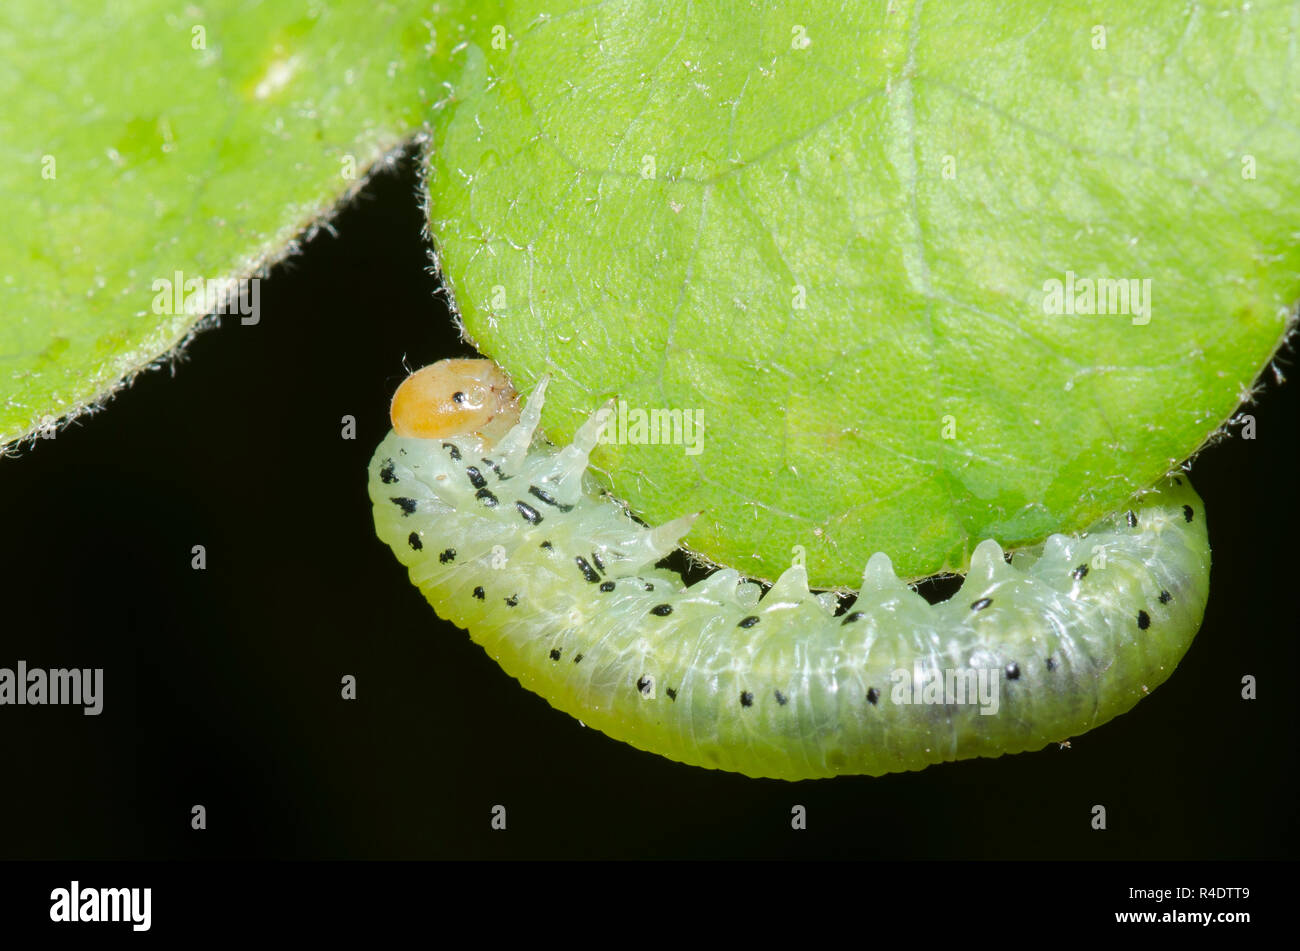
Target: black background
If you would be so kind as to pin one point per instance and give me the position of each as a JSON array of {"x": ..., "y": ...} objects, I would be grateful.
[{"x": 222, "y": 687}]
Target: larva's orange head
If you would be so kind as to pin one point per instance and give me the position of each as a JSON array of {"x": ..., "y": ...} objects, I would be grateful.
[{"x": 455, "y": 398}]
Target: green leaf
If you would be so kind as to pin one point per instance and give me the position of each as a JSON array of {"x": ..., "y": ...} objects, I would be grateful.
[
  {"x": 142, "y": 139},
  {"x": 840, "y": 251}
]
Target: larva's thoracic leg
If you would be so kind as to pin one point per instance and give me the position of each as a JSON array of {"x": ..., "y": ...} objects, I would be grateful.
[{"x": 511, "y": 542}]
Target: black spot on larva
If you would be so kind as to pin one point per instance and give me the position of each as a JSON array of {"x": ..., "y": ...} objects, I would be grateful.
[
  {"x": 748, "y": 622},
  {"x": 850, "y": 618},
  {"x": 452, "y": 450},
  {"x": 486, "y": 497},
  {"x": 555, "y": 654},
  {"x": 595, "y": 559},
  {"x": 479, "y": 593},
  {"x": 607, "y": 587},
  {"x": 529, "y": 513},
  {"x": 458, "y": 397},
  {"x": 746, "y": 698},
  {"x": 475, "y": 477},
  {"x": 672, "y": 693},
  {"x": 780, "y": 697},
  {"x": 447, "y": 555},
  {"x": 645, "y": 685},
  {"x": 1165, "y": 597},
  {"x": 495, "y": 467},
  {"x": 1078, "y": 574},
  {"x": 387, "y": 472},
  {"x": 661, "y": 610},
  {"x": 413, "y": 540},
  {"x": 512, "y": 600},
  {"x": 548, "y": 499},
  {"x": 1188, "y": 512},
  {"x": 1131, "y": 519},
  {"x": 1144, "y": 620},
  {"x": 873, "y": 695},
  {"x": 1051, "y": 664},
  {"x": 649, "y": 586},
  {"x": 1013, "y": 671},
  {"x": 981, "y": 604},
  {"x": 586, "y": 569},
  {"x": 547, "y": 545},
  {"x": 406, "y": 505},
  {"x": 577, "y": 658}
]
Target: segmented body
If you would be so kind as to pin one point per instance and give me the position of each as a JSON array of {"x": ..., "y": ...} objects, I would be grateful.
[{"x": 513, "y": 542}]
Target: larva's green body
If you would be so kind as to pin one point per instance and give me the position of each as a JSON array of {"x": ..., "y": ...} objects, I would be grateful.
[{"x": 514, "y": 544}]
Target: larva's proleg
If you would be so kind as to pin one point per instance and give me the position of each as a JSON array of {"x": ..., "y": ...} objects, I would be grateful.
[{"x": 512, "y": 542}]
